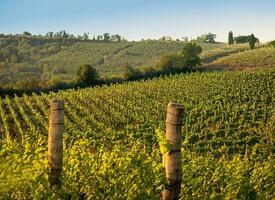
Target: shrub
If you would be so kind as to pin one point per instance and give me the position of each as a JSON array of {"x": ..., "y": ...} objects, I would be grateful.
[
  {"x": 131, "y": 73},
  {"x": 170, "y": 63},
  {"x": 272, "y": 43},
  {"x": 87, "y": 74}
]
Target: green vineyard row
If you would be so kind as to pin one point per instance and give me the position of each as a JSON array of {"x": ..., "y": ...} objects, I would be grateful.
[{"x": 111, "y": 149}]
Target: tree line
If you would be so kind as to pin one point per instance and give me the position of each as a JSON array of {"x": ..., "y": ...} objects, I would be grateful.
[
  {"x": 251, "y": 39},
  {"x": 105, "y": 37}
]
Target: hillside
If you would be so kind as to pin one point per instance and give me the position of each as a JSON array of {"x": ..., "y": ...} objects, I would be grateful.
[
  {"x": 111, "y": 145},
  {"x": 258, "y": 58},
  {"x": 44, "y": 58},
  {"x": 109, "y": 58}
]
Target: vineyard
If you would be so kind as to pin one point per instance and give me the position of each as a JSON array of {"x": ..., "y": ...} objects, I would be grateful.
[
  {"x": 47, "y": 59},
  {"x": 111, "y": 146},
  {"x": 109, "y": 58},
  {"x": 223, "y": 51},
  {"x": 262, "y": 57}
]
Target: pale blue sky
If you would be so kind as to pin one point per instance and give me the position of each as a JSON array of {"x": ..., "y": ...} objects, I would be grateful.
[{"x": 136, "y": 19}]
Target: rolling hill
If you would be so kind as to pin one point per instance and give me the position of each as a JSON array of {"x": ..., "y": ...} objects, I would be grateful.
[
  {"x": 258, "y": 58},
  {"x": 21, "y": 58}
]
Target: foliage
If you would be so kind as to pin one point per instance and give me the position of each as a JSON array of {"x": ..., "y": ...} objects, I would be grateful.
[
  {"x": 206, "y": 38},
  {"x": 164, "y": 146},
  {"x": 131, "y": 73},
  {"x": 244, "y": 39},
  {"x": 170, "y": 63},
  {"x": 252, "y": 41},
  {"x": 272, "y": 43},
  {"x": 191, "y": 52},
  {"x": 87, "y": 74},
  {"x": 230, "y": 38},
  {"x": 110, "y": 144},
  {"x": 180, "y": 62}
]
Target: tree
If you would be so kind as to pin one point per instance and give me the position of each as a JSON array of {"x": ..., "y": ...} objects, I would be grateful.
[
  {"x": 272, "y": 43},
  {"x": 230, "y": 38},
  {"x": 252, "y": 41},
  {"x": 87, "y": 74},
  {"x": 185, "y": 39},
  {"x": 244, "y": 39},
  {"x": 106, "y": 37},
  {"x": 191, "y": 52},
  {"x": 85, "y": 36},
  {"x": 210, "y": 38},
  {"x": 49, "y": 34},
  {"x": 118, "y": 38},
  {"x": 25, "y": 33},
  {"x": 99, "y": 38},
  {"x": 207, "y": 38}
]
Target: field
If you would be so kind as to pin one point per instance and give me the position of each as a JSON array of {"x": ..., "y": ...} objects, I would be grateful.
[
  {"x": 258, "y": 58},
  {"x": 223, "y": 51},
  {"x": 111, "y": 148}
]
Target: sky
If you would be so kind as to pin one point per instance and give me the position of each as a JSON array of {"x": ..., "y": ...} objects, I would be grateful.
[{"x": 137, "y": 19}]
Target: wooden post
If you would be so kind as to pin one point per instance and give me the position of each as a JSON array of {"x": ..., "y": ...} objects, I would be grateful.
[
  {"x": 172, "y": 159},
  {"x": 55, "y": 140}
]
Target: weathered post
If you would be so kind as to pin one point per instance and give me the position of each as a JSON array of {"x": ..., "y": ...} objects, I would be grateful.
[
  {"x": 172, "y": 159},
  {"x": 55, "y": 140}
]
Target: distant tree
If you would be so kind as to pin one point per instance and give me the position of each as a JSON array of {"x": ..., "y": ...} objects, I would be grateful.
[
  {"x": 25, "y": 33},
  {"x": 71, "y": 36},
  {"x": 206, "y": 38},
  {"x": 241, "y": 39},
  {"x": 85, "y": 36},
  {"x": 166, "y": 38},
  {"x": 163, "y": 38},
  {"x": 118, "y": 38},
  {"x": 106, "y": 37},
  {"x": 244, "y": 39},
  {"x": 185, "y": 39},
  {"x": 252, "y": 41},
  {"x": 49, "y": 34},
  {"x": 272, "y": 43},
  {"x": 230, "y": 38},
  {"x": 87, "y": 74},
  {"x": 210, "y": 37},
  {"x": 63, "y": 34},
  {"x": 57, "y": 34},
  {"x": 99, "y": 37},
  {"x": 113, "y": 38}
]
